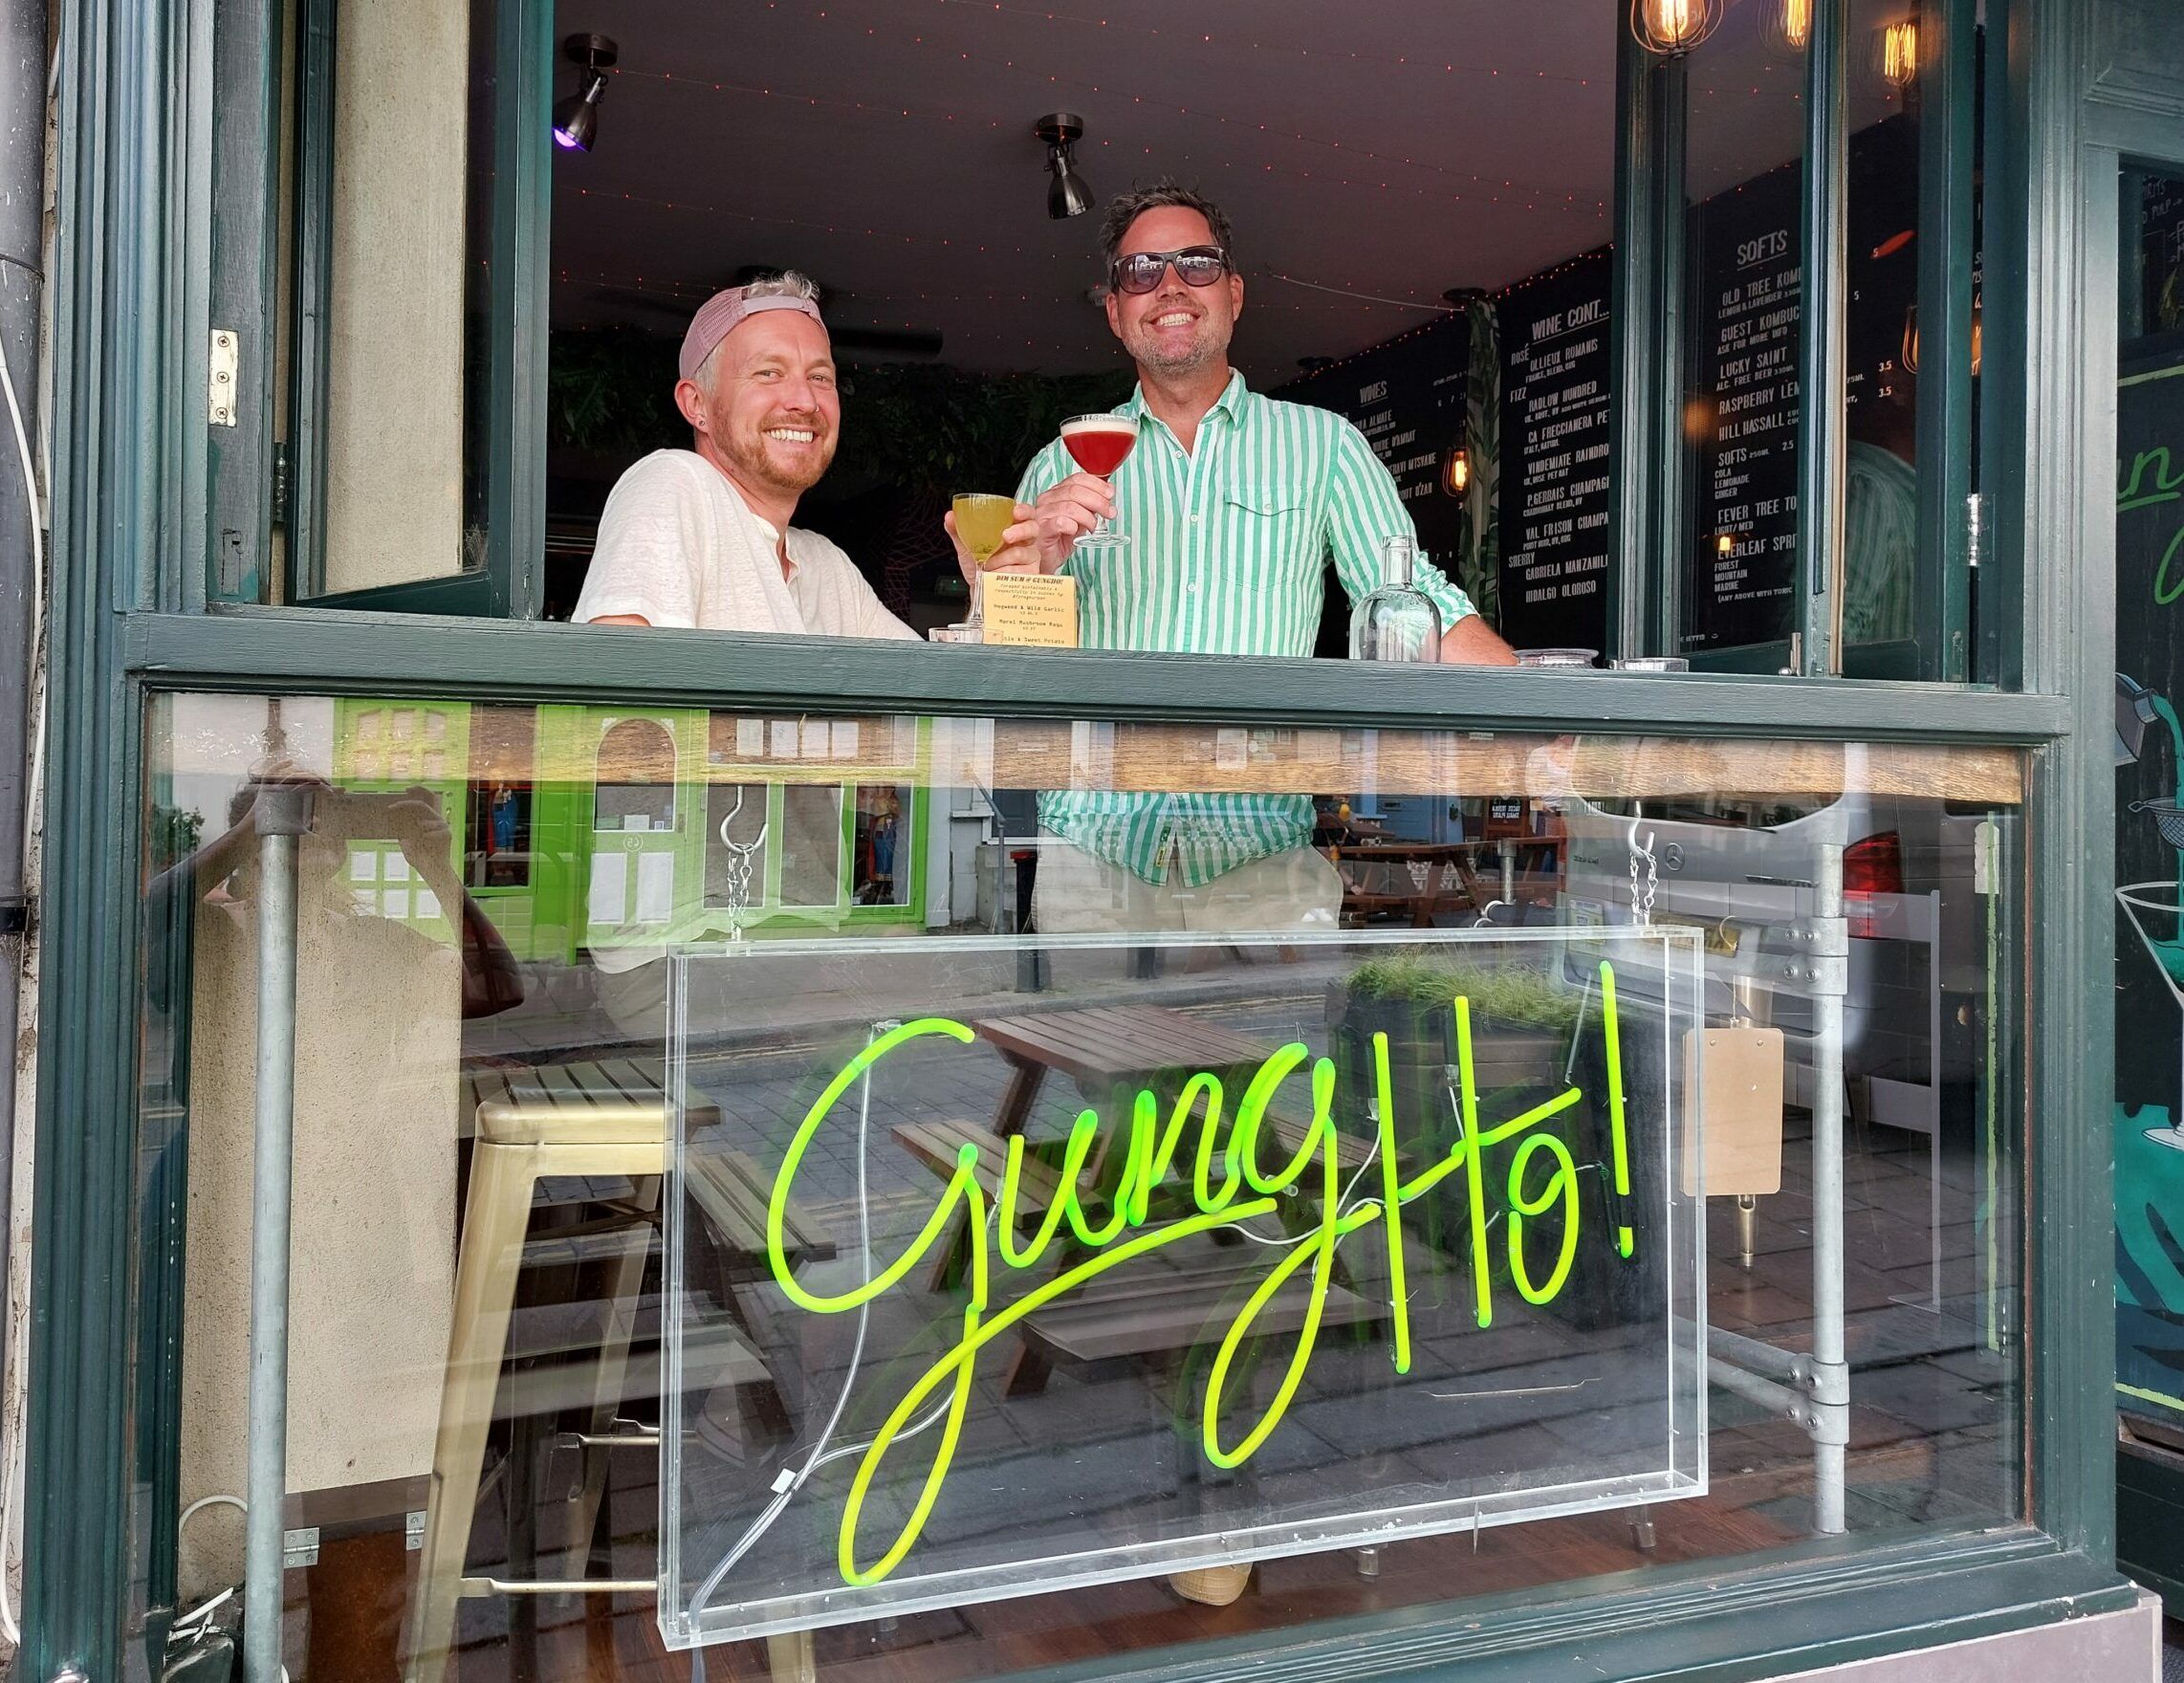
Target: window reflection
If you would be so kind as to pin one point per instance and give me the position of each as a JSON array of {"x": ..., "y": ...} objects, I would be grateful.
[{"x": 534, "y": 1010}]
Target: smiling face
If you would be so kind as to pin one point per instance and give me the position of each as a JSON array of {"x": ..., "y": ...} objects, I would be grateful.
[
  {"x": 1174, "y": 329},
  {"x": 769, "y": 413}
]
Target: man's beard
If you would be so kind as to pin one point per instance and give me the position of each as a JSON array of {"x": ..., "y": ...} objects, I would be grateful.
[
  {"x": 751, "y": 458},
  {"x": 1203, "y": 351}
]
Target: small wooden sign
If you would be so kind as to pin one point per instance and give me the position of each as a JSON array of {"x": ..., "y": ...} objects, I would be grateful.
[
  {"x": 1030, "y": 610},
  {"x": 1739, "y": 1108}
]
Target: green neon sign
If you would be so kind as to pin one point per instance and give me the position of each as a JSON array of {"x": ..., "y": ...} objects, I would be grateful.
[{"x": 1227, "y": 1184}]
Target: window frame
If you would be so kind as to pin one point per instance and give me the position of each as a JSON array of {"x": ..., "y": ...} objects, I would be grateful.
[{"x": 121, "y": 491}]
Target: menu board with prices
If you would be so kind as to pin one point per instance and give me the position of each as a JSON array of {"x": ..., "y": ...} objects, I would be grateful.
[
  {"x": 1408, "y": 395},
  {"x": 1745, "y": 525},
  {"x": 1741, "y": 585},
  {"x": 1555, "y": 394}
]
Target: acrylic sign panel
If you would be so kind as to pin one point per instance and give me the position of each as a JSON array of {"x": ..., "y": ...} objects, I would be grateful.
[{"x": 1002, "y": 1266}]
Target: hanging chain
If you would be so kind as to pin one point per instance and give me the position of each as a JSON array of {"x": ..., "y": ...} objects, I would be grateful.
[
  {"x": 1642, "y": 899},
  {"x": 741, "y": 862}
]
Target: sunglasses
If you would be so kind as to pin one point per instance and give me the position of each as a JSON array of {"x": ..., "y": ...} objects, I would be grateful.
[{"x": 1140, "y": 272}]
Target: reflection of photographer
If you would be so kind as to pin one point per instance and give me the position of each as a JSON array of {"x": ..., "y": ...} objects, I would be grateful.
[{"x": 225, "y": 871}]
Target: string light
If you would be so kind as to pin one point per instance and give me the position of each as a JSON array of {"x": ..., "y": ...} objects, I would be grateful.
[
  {"x": 1252, "y": 125},
  {"x": 1397, "y": 62}
]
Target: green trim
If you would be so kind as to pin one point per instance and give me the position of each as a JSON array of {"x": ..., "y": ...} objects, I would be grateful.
[
  {"x": 2147, "y": 1396},
  {"x": 523, "y": 163},
  {"x": 313, "y": 652},
  {"x": 1947, "y": 78},
  {"x": 111, "y": 292},
  {"x": 1688, "y": 1623},
  {"x": 245, "y": 90},
  {"x": 2066, "y": 475},
  {"x": 312, "y": 293},
  {"x": 1823, "y": 294}
]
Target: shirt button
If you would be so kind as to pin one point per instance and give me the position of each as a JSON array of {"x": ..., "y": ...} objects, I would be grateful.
[{"x": 1192, "y": 588}]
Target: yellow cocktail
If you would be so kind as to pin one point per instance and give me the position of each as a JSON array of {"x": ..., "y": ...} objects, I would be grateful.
[{"x": 980, "y": 522}]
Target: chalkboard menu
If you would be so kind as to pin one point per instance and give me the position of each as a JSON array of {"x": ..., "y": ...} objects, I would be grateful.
[
  {"x": 1744, "y": 571},
  {"x": 1556, "y": 387},
  {"x": 1408, "y": 396},
  {"x": 1740, "y": 582}
]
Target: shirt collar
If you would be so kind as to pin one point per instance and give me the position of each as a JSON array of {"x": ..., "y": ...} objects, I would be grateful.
[{"x": 1230, "y": 402}]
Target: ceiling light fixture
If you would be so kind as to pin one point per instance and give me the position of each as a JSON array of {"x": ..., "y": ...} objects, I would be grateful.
[
  {"x": 1067, "y": 195},
  {"x": 1673, "y": 27},
  {"x": 576, "y": 118}
]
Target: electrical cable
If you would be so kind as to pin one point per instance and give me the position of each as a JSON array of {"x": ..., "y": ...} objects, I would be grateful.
[
  {"x": 787, "y": 1483},
  {"x": 1340, "y": 292}
]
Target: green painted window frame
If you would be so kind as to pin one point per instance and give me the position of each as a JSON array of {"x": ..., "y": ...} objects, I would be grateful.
[{"x": 128, "y": 302}]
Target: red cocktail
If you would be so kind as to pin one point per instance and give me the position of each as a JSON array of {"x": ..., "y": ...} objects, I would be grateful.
[{"x": 1100, "y": 444}]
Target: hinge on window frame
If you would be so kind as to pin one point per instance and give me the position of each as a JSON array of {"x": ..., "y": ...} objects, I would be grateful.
[
  {"x": 283, "y": 482},
  {"x": 1975, "y": 524}
]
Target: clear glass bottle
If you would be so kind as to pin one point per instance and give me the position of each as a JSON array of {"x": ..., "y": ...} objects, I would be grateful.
[{"x": 1397, "y": 622}]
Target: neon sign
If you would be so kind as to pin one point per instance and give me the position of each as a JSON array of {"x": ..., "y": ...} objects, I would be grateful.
[{"x": 1227, "y": 1185}]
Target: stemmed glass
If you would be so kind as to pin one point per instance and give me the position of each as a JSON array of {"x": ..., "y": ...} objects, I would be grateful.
[
  {"x": 1100, "y": 444},
  {"x": 981, "y": 520}
]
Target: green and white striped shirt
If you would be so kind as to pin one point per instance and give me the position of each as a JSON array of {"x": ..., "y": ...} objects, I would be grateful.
[
  {"x": 1228, "y": 556},
  {"x": 1880, "y": 546}
]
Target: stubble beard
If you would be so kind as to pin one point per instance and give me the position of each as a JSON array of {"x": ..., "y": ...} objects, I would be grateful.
[{"x": 752, "y": 460}]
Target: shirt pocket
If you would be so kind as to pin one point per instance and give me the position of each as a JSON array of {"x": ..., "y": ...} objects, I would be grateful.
[{"x": 1268, "y": 533}]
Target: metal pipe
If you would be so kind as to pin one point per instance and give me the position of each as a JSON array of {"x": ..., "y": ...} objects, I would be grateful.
[
  {"x": 283, "y": 813},
  {"x": 1783, "y": 1400},
  {"x": 22, "y": 293},
  {"x": 1831, "y": 1401},
  {"x": 1786, "y": 1367}
]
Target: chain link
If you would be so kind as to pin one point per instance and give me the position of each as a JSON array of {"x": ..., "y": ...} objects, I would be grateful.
[
  {"x": 737, "y": 869},
  {"x": 1642, "y": 899}
]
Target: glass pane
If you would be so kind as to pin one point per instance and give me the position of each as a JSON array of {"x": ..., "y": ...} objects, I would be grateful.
[
  {"x": 1743, "y": 176},
  {"x": 1745, "y": 266},
  {"x": 485, "y": 1082},
  {"x": 1357, "y": 1238},
  {"x": 2149, "y": 1119},
  {"x": 393, "y": 424}
]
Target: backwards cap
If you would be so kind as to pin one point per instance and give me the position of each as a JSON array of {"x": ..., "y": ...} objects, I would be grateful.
[{"x": 722, "y": 313}]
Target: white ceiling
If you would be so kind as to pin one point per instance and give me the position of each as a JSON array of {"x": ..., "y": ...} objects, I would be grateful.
[{"x": 1393, "y": 147}]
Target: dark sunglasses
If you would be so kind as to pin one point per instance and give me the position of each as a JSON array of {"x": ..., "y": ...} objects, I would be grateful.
[{"x": 1140, "y": 272}]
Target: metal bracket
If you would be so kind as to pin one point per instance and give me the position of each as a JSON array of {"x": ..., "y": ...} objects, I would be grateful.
[
  {"x": 413, "y": 1530},
  {"x": 299, "y": 1547},
  {"x": 222, "y": 379}
]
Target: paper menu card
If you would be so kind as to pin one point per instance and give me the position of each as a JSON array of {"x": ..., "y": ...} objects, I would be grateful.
[{"x": 1030, "y": 610}]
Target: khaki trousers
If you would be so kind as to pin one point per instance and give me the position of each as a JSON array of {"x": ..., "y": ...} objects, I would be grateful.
[{"x": 1078, "y": 893}]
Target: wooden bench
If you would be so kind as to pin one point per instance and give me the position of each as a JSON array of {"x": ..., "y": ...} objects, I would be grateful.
[{"x": 1146, "y": 1310}]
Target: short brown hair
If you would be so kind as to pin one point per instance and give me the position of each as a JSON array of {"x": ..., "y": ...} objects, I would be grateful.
[{"x": 1166, "y": 194}]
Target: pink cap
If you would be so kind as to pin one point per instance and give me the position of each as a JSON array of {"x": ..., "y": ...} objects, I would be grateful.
[{"x": 722, "y": 313}]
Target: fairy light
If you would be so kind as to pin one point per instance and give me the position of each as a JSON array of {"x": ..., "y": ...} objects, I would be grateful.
[{"x": 1255, "y": 126}]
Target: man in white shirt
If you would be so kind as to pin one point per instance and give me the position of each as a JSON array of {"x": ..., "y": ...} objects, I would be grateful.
[{"x": 701, "y": 537}]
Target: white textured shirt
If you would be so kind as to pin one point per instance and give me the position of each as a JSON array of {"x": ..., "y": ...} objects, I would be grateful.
[{"x": 679, "y": 545}]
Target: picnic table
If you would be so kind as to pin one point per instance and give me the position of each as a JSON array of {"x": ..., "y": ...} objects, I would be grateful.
[
  {"x": 1112, "y": 1053},
  {"x": 1429, "y": 879}
]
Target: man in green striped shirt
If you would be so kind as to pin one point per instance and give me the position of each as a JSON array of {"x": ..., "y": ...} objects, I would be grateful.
[{"x": 1234, "y": 502}]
